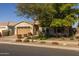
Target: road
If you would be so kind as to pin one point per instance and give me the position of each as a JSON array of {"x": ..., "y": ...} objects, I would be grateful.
[{"x": 19, "y": 50}]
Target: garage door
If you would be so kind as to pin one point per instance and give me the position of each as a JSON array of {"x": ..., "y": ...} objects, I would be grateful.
[{"x": 23, "y": 30}]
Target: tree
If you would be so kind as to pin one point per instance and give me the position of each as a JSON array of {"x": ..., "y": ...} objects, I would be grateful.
[
  {"x": 49, "y": 15},
  {"x": 41, "y": 12}
]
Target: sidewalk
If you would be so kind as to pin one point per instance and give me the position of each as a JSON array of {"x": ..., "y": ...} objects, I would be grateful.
[{"x": 40, "y": 45}]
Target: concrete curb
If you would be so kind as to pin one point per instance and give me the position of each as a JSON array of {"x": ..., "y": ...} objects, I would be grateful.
[{"x": 40, "y": 45}]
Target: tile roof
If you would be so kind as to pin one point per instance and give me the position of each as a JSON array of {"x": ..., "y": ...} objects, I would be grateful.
[
  {"x": 12, "y": 23},
  {"x": 7, "y": 23}
]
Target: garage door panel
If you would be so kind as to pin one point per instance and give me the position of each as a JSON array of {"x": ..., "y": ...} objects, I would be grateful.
[{"x": 23, "y": 30}]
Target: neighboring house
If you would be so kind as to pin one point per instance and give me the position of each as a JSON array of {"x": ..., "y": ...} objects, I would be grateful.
[
  {"x": 60, "y": 31},
  {"x": 6, "y": 28},
  {"x": 65, "y": 31}
]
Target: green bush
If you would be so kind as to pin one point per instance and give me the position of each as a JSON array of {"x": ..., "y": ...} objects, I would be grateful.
[{"x": 42, "y": 36}]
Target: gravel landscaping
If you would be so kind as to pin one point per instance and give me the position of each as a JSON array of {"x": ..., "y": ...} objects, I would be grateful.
[{"x": 52, "y": 41}]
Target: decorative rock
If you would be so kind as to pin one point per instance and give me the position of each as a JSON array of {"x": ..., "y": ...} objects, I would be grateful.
[{"x": 64, "y": 44}]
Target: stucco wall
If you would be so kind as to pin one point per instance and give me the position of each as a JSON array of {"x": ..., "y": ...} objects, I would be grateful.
[{"x": 3, "y": 28}]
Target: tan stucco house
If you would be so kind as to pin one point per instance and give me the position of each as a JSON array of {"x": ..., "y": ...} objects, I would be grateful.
[{"x": 23, "y": 28}]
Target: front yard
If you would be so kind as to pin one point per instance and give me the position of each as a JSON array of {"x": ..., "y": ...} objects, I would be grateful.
[{"x": 51, "y": 41}]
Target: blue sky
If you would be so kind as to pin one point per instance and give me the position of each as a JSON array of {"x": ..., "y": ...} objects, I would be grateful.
[{"x": 8, "y": 13}]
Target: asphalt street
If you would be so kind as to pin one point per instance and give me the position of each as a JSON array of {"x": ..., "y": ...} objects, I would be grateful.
[{"x": 20, "y": 50}]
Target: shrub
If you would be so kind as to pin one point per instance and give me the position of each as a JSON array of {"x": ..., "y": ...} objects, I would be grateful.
[
  {"x": 35, "y": 37},
  {"x": 77, "y": 37},
  {"x": 55, "y": 43},
  {"x": 26, "y": 40},
  {"x": 42, "y": 37},
  {"x": 18, "y": 40},
  {"x": 25, "y": 35},
  {"x": 29, "y": 34},
  {"x": 19, "y": 36},
  {"x": 63, "y": 38},
  {"x": 72, "y": 38}
]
